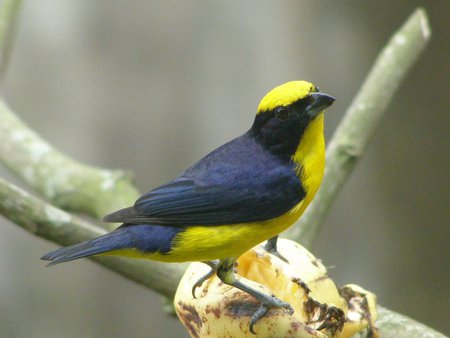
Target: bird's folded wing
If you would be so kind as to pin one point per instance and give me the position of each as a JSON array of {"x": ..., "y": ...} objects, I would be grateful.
[{"x": 184, "y": 202}]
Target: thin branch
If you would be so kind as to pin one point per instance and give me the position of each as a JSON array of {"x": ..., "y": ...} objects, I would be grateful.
[
  {"x": 9, "y": 13},
  {"x": 65, "y": 182},
  {"x": 56, "y": 225},
  {"x": 361, "y": 119}
]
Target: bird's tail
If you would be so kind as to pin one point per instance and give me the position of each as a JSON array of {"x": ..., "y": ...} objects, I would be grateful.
[{"x": 143, "y": 237}]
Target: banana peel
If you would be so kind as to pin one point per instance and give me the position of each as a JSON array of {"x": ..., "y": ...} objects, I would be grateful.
[{"x": 321, "y": 309}]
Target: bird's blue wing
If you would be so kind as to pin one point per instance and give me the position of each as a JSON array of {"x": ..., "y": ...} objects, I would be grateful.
[
  {"x": 249, "y": 186},
  {"x": 183, "y": 202}
]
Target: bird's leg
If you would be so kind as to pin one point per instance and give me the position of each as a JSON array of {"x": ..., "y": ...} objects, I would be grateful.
[
  {"x": 225, "y": 272},
  {"x": 271, "y": 247},
  {"x": 213, "y": 265}
]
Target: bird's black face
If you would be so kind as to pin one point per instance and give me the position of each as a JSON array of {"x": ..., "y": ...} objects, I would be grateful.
[{"x": 281, "y": 129}]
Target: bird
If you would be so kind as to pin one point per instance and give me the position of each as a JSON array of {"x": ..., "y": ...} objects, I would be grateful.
[{"x": 243, "y": 193}]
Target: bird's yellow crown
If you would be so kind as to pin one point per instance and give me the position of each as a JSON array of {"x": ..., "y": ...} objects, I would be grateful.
[{"x": 285, "y": 94}]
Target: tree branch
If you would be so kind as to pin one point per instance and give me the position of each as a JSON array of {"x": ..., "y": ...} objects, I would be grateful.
[
  {"x": 63, "y": 181},
  {"x": 394, "y": 325},
  {"x": 361, "y": 119},
  {"x": 56, "y": 225}
]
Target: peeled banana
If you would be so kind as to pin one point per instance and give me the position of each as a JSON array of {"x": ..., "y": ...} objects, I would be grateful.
[{"x": 321, "y": 309}]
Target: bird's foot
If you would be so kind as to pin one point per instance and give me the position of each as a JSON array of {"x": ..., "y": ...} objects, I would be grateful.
[
  {"x": 225, "y": 271},
  {"x": 213, "y": 265},
  {"x": 266, "y": 303}
]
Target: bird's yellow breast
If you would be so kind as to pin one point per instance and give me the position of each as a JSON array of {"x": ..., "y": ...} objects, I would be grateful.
[
  {"x": 202, "y": 243},
  {"x": 310, "y": 158}
]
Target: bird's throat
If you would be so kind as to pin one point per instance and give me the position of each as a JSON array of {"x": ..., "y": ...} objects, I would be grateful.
[{"x": 309, "y": 158}]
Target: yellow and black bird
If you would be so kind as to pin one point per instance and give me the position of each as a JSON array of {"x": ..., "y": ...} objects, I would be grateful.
[{"x": 241, "y": 194}]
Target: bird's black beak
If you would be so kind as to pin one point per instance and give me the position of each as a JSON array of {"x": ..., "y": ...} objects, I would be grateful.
[{"x": 318, "y": 102}]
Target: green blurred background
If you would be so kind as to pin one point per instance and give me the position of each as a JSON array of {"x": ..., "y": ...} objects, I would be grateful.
[{"x": 152, "y": 86}]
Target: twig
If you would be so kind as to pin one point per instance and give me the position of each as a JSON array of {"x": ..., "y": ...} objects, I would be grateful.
[
  {"x": 9, "y": 13},
  {"x": 361, "y": 119}
]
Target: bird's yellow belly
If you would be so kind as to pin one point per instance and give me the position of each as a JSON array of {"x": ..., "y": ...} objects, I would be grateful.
[{"x": 204, "y": 243}]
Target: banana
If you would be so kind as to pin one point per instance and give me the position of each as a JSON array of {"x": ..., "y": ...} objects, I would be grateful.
[{"x": 321, "y": 310}]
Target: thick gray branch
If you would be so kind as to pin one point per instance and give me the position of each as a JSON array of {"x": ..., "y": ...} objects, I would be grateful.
[{"x": 361, "y": 119}]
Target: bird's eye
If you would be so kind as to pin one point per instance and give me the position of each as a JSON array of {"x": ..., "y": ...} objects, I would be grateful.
[{"x": 281, "y": 113}]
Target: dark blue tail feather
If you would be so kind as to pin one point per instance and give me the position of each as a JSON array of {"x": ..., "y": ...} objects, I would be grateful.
[{"x": 143, "y": 237}]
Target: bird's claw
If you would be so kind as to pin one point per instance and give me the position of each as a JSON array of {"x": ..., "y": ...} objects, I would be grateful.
[
  {"x": 261, "y": 312},
  {"x": 200, "y": 281},
  {"x": 264, "y": 307},
  {"x": 213, "y": 265}
]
